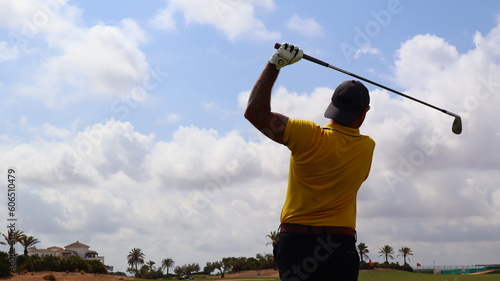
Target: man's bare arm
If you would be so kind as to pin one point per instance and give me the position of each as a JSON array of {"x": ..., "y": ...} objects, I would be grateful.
[{"x": 258, "y": 110}]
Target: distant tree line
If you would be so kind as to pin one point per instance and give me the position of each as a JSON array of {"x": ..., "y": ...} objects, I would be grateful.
[
  {"x": 235, "y": 264},
  {"x": 387, "y": 252},
  {"x": 365, "y": 262},
  {"x": 141, "y": 269},
  {"x": 52, "y": 263},
  {"x": 147, "y": 270}
]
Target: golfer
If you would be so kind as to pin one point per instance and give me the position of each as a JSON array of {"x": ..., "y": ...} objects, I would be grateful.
[{"x": 317, "y": 238}]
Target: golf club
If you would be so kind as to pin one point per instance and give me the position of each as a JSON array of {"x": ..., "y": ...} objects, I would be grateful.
[{"x": 457, "y": 123}]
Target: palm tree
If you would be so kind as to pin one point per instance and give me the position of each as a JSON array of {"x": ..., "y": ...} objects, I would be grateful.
[
  {"x": 386, "y": 251},
  {"x": 135, "y": 257},
  {"x": 274, "y": 238},
  {"x": 363, "y": 251},
  {"x": 13, "y": 237},
  {"x": 28, "y": 241},
  {"x": 405, "y": 251},
  {"x": 167, "y": 263},
  {"x": 150, "y": 264}
]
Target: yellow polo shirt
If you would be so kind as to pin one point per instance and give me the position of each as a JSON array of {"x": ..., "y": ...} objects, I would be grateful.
[{"x": 327, "y": 167}]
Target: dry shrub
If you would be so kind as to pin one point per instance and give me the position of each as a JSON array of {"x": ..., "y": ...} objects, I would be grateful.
[{"x": 49, "y": 277}]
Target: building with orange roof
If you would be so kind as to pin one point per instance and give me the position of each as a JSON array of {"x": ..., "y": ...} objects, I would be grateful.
[{"x": 73, "y": 249}]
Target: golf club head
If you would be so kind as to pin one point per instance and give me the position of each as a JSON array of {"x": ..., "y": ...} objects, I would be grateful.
[{"x": 457, "y": 125}]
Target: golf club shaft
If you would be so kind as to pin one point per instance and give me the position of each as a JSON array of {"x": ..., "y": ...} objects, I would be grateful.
[{"x": 320, "y": 62}]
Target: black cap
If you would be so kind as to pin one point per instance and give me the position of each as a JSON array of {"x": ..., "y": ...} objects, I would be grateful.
[{"x": 348, "y": 101}]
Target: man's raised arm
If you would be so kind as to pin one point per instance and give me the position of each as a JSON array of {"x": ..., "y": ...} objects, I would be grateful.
[{"x": 258, "y": 110}]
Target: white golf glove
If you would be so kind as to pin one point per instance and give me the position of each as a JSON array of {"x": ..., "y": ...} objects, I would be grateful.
[{"x": 286, "y": 54}]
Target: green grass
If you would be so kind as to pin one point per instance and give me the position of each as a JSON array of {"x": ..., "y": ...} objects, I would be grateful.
[
  {"x": 243, "y": 278},
  {"x": 391, "y": 275}
]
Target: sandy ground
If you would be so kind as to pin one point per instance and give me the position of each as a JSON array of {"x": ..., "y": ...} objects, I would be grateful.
[
  {"x": 254, "y": 273},
  {"x": 63, "y": 276}
]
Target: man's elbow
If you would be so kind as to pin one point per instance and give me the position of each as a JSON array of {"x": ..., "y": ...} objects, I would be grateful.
[
  {"x": 253, "y": 118},
  {"x": 249, "y": 115}
]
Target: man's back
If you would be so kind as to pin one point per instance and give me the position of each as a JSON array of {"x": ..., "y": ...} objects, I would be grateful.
[{"x": 327, "y": 167}]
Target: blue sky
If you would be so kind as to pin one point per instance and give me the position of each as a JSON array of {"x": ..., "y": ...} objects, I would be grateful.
[{"x": 124, "y": 122}]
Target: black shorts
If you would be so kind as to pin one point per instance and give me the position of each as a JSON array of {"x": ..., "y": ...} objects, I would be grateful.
[{"x": 314, "y": 257}]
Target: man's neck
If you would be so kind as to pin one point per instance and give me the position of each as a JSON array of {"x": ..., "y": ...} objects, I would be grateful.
[{"x": 354, "y": 125}]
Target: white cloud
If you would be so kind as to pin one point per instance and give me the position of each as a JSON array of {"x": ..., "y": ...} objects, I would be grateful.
[
  {"x": 29, "y": 13},
  {"x": 215, "y": 108},
  {"x": 235, "y": 19},
  {"x": 210, "y": 106},
  {"x": 424, "y": 56},
  {"x": 7, "y": 52},
  {"x": 306, "y": 27},
  {"x": 366, "y": 50},
  {"x": 100, "y": 61},
  {"x": 78, "y": 62},
  {"x": 172, "y": 118},
  {"x": 27, "y": 20},
  {"x": 164, "y": 19},
  {"x": 52, "y": 131}
]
